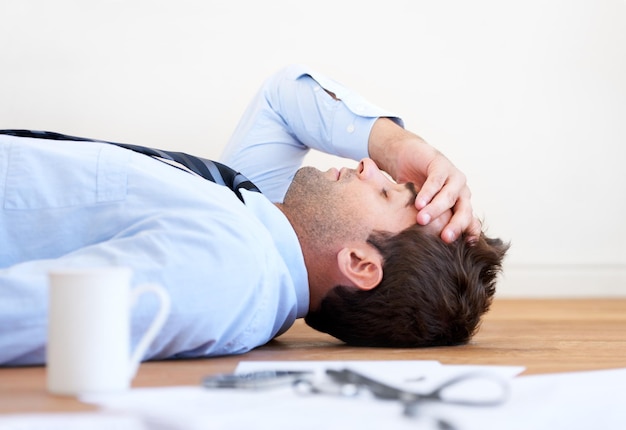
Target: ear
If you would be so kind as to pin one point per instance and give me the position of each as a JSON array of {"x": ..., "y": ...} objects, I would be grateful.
[{"x": 362, "y": 264}]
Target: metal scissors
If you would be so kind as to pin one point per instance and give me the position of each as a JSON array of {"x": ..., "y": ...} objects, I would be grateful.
[{"x": 349, "y": 383}]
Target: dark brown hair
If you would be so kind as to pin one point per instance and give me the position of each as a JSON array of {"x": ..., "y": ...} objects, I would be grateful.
[{"x": 432, "y": 293}]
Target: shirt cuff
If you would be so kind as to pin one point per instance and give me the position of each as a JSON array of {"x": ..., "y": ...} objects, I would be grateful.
[{"x": 354, "y": 117}]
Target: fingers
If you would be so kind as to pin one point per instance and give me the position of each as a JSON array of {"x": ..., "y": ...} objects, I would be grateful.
[
  {"x": 442, "y": 188},
  {"x": 462, "y": 221},
  {"x": 442, "y": 192}
]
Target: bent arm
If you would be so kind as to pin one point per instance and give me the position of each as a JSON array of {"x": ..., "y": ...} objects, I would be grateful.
[
  {"x": 298, "y": 109},
  {"x": 292, "y": 114}
]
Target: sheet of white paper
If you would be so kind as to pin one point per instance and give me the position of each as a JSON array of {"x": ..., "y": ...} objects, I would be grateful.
[
  {"x": 193, "y": 408},
  {"x": 569, "y": 401}
]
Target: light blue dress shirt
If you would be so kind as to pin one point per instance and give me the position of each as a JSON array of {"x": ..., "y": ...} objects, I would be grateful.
[{"x": 235, "y": 272}]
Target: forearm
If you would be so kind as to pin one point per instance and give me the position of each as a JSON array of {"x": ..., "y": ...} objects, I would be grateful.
[{"x": 390, "y": 145}]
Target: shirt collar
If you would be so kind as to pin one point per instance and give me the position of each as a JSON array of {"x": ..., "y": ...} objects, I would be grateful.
[{"x": 286, "y": 242}]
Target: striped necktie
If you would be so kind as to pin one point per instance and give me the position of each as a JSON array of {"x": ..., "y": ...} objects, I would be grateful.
[{"x": 208, "y": 169}]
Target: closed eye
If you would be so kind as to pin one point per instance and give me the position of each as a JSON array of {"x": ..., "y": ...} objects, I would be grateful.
[
  {"x": 411, "y": 187},
  {"x": 384, "y": 193}
]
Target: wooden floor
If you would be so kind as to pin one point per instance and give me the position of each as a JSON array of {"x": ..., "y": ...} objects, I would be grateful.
[{"x": 545, "y": 336}]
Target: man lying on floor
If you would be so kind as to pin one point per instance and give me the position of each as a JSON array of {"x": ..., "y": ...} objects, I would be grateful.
[{"x": 369, "y": 259}]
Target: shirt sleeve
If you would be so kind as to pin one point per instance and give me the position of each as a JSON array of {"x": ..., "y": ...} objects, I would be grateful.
[{"x": 292, "y": 114}]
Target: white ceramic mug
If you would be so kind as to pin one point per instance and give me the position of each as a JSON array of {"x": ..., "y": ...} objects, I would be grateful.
[{"x": 89, "y": 329}]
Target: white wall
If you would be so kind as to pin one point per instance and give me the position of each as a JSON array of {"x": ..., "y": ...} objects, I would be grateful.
[{"x": 528, "y": 98}]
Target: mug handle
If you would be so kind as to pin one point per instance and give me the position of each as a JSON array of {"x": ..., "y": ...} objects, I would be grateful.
[{"x": 155, "y": 326}]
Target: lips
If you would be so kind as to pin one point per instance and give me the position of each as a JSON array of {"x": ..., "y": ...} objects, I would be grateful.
[{"x": 334, "y": 173}]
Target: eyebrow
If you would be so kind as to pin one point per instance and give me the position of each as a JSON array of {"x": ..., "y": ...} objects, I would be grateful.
[{"x": 411, "y": 187}]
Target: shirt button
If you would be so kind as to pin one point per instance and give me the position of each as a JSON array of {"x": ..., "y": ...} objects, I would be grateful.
[{"x": 350, "y": 128}]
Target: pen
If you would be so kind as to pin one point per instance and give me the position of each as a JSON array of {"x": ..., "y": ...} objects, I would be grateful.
[{"x": 255, "y": 380}]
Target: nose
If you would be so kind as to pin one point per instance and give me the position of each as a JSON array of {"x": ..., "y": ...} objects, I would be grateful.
[{"x": 367, "y": 169}]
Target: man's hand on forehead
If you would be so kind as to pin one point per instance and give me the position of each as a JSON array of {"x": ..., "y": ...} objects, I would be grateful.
[{"x": 442, "y": 187}]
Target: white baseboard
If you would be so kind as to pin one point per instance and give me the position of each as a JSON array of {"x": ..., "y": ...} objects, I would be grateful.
[{"x": 562, "y": 280}]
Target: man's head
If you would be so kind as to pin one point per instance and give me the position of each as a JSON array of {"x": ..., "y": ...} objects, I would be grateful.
[
  {"x": 432, "y": 293},
  {"x": 375, "y": 276}
]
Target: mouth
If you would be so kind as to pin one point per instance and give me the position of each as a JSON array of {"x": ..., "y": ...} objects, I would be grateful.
[{"x": 334, "y": 174}]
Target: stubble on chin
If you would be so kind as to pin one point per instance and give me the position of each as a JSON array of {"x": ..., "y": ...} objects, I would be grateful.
[{"x": 315, "y": 206}]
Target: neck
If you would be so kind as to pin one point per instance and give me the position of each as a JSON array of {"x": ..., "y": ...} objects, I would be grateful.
[{"x": 320, "y": 262}]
